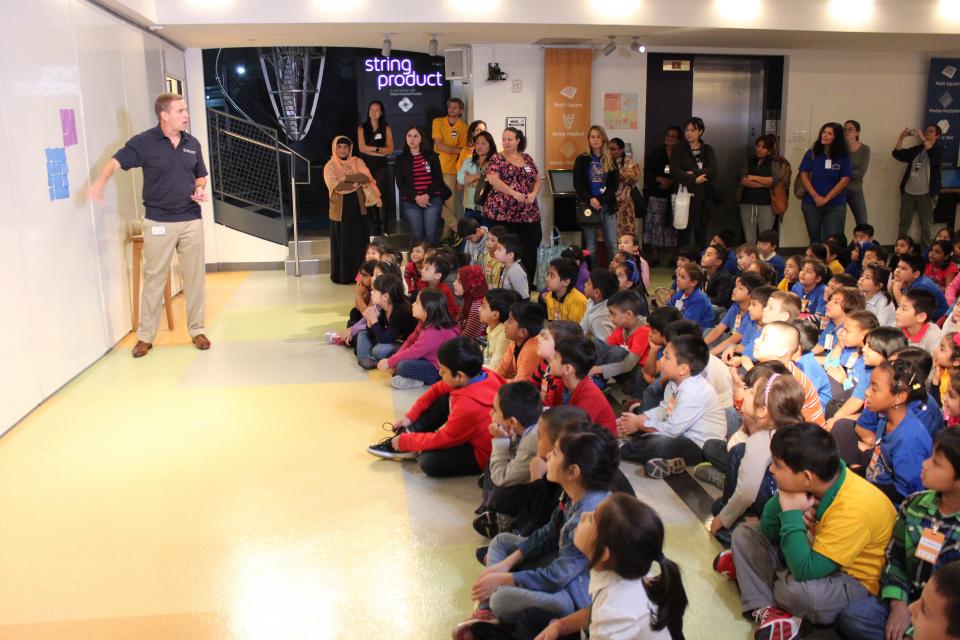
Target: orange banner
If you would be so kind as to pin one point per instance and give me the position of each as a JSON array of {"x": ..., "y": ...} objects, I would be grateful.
[{"x": 567, "y": 105}]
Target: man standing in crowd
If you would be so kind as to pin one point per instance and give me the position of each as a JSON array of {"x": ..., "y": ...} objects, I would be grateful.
[
  {"x": 920, "y": 185},
  {"x": 174, "y": 178},
  {"x": 449, "y": 137}
]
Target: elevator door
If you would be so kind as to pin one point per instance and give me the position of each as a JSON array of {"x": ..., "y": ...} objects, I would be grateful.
[{"x": 728, "y": 96}]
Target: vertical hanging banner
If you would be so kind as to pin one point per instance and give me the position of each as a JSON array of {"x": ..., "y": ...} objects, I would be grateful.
[
  {"x": 566, "y": 101},
  {"x": 943, "y": 105}
]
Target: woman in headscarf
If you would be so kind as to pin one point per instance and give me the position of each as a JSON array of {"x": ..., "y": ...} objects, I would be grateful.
[{"x": 351, "y": 188}]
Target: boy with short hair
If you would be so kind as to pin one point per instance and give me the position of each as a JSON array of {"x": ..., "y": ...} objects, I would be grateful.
[
  {"x": 737, "y": 320},
  {"x": 810, "y": 288},
  {"x": 514, "y": 416},
  {"x": 782, "y": 306},
  {"x": 726, "y": 238},
  {"x": 690, "y": 299},
  {"x": 435, "y": 269},
  {"x": 916, "y": 308},
  {"x": 670, "y": 437},
  {"x": 746, "y": 255},
  {"x": 767, "y": 244},
  {"x": 875, "y": 255},
  {"x": 562, "y": 300},
  {"x": 492, "y": 268},
  {"x": 474, "y": 240},
  {"x": 806, "y": 360},
  {"x": 573, "y": 358},
  {"x": 719, "y": 283},
  {"x": 598, "y": 288},
  {"x": 460, "y": 403},
  {"x": 514, "y": 276},
  {"x": 843, "y": 301},
  {"x": 908, "y": 276},
  {"x": 843, "y": 562},
  {"x": 523, "y": 325},
  {"x": 628, "y": 344},
  {"x": 910, "y": 558},
  {"x": 494, "y": 312}
]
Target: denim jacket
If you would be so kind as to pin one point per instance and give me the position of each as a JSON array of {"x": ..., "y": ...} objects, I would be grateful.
[{"x": 570, "y": 571}]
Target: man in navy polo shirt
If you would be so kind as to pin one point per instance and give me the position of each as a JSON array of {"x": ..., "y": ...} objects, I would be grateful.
[
  {"x": 174, "y": 178},
  {"x": 909, "y": 275}
]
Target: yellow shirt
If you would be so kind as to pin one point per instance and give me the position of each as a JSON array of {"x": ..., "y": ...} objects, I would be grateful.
[
  {"x": 945, "y": 377},
  {"x": 465, "y": 153},
  {"x": 835, "y": 267},
  {"x": 855, "y": 529},
  {"x": 573, "y": 307},
  {"x": 784, "y": 285},
  {"x": 491, "y": 271},
  {"x": 496, "y": 345},
  {"x": 453, "y": 136}
]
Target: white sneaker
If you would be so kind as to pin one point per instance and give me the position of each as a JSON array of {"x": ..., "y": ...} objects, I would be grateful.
[{"x": 399, "y": 382}]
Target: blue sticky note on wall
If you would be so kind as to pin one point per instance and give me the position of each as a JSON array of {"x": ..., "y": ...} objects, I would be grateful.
[{"x": 58, "y": 184}]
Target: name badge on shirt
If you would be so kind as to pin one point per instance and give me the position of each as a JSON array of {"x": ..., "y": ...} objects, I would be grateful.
[
  {"x": 426, "y": 166},
  {"x": 158, "y": 231},
  {"x": 699, "y": 164},
  {"x": 828, "y": 342},
  {"x": 918, "y": 166},
  {"x": 666, "y": 170},
  {"x": 929, "y": 546},
  {"x": 528, "y": 169},
  {"x": 453, "y": 133},
  {"x": 379, "y": 136},
  {"x": 828, "y": 164}
]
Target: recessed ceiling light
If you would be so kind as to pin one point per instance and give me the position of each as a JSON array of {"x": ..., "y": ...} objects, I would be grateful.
[
  {"x": 738, "y": 10},
  {"x": 851, "y": 11}
]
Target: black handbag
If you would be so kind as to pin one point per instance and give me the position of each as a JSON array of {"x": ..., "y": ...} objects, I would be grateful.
[
  {"x": 587, "y": 216},
  {"x": 482, "y": 191}
]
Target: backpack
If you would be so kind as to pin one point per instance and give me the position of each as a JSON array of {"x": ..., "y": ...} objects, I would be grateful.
[{"x": 780, "y": 192}]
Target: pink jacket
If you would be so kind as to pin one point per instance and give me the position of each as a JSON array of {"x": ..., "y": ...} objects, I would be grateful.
[{"x": 423, "y": 344}]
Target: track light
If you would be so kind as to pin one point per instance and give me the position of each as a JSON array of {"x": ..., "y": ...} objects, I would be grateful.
[
  {"x": 610, "y": 47},
  {"x": 387, "y": 46},
  {"x": 636, "y": 47},
  {"x": 434, "y": 45}
]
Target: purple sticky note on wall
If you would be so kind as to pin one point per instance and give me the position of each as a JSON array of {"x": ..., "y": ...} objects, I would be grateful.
[{"x": 68, "y": 125}]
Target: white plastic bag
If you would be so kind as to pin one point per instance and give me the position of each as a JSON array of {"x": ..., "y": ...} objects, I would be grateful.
[{"x": 681, "y": 208}]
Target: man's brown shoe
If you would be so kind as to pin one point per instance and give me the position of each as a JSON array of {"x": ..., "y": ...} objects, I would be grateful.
[
  {"x": 200, "y": 342},
  {"x": 140, "y": 349}
]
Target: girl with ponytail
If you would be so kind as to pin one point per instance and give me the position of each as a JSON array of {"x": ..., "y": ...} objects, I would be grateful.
[{"x": 623, "y": 539}]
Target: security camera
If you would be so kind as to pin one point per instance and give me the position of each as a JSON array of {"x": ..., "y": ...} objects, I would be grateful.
[{"x": 494, "y": 74}]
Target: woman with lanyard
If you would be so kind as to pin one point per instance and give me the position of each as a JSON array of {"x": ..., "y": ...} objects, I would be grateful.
[
  {"x": 596, "y": 179},
  {"x": 629, "y": 173},
  {"x": 753, "y": 192},
  {"x": 349, "y": 182},
  {"x": 375, "y": 143},
  {"x": 825, "y": 173},
  {"x": 471, "y": 172},
  {"x": 658, "y": 232},
  {"x": 859, "y": 154},
  {"x": 421, "y": 186},
  {"x": 693, "y": 165},
  {"x": 516, "y": 182}
]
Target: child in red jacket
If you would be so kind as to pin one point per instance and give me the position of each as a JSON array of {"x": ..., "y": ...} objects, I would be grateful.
[
  {"x": 449, "y": 426},
  {"x": 572, "y": 359}
]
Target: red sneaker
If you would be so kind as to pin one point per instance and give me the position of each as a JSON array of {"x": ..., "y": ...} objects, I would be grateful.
[
  {"x": 462, "y": 630},
  {"x": 723, "y": 564},
  {"x": 776, "y": 624}
]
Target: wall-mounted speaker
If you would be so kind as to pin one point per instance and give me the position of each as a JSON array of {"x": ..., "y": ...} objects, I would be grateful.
[{"x": 455, "y": 64}]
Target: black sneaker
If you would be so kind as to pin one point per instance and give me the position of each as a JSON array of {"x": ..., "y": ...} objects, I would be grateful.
[
  {"x": 384, "y": 449},
  {"x": 486, "y": 524},
  {"x": 482, "y": 555}
]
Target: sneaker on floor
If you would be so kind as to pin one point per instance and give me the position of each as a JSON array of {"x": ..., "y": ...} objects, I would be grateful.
[
  {"x": 776, "y": 624},
  {"x": 333, "y": 337},
  {"x": 486, "y": 524},
  {"x": 706, "y": 472},
  {"x": 664, "y": 467},
  {"x": 399, "y": 382},
  {"x": 482, "y": 554},
  {"x": 384, "y": 449},
  {"x": 723, "y": 564},
  {"x": 462, "y": 630},
  {"x": 367, "y": 363}
]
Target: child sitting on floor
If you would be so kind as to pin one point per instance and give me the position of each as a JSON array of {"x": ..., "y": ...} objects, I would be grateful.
[
  {"x": 841, "y": 303},
  {"x": 622, "y": 539},
  {"x": 737, "y": 319},
  {"x": 596, "y": 322},
  {"x": 583, "y": 463},
  {"x": 411, "y": 273},
  {"x": 573, "y": 357},
  {"x": 492, "y": 268},
  {"x": 415, "y": 363},
  {"x": 914, "y": 315},
  {"x": 791, "y": 273},
  {"x": 436, "y": 268},
  {"x": 627, "y": 346},
  {"x": 690, "y": 299},
  {"x": 562, "y": 300},
  {"x": 388, "y": 320},
  {"x": 841, "y": 564},
  {"x": 946, "y": 360},
  {"x": 940, "y": 265},
  {"x": 810, "y": 288},
  {"x": 448, "y": 425},
  {"x": 877, "y": 300},
  {"x": 767, "y": 244},
  {"x": 514, "y": 276},
  {"x": 493, "y": 312},
  {"x": 553, "y": 332},
  {"x": 628, "y": 242},
  {"x": 474, "y": 240},
  {"x": 808, "y": 362},
  {"x": 470, "y": 287},
  {"x": 523, "y": 325},
  {"x": 516, "y": 411},
  {"x": 909, "y": 562}
]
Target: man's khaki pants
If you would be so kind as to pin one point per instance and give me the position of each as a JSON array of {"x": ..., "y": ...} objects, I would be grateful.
[{"x": 186, "y": 238}]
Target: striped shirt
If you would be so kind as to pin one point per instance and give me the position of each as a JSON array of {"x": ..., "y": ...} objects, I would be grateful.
[
  {"x": 812, "y": 408},
  {"x": 904, "y": 575},
  {"x": 421, "y": 174}
]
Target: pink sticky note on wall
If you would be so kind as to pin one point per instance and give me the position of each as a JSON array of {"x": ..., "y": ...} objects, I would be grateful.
[{"x": 68, "y": 126}]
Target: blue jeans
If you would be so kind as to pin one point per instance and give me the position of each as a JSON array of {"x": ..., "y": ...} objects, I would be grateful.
[
  {"x": 865, "y": 619},
  {"x": 366, "y": 348},
  {"x": 507, "y": 602},
  {"x": 424, "y": 222},
  {"x": 858, "y": 206},
  {"x": 417, "y": 370},
  {"x": 823, "y": 221},
  {"x": 608, "y": 222}
]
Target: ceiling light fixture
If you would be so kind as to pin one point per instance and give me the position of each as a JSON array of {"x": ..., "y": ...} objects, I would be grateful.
[
  {"x": 738, "y": 10},
  {"x": 434, "y": 45},
  {"x": 949, "y": 9},
  {"x": 610, "y": 47},
  {"x": 387, "y": 46},
  {"x": 636, "y": 47},
  {"x": 851, "y": 11}
]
